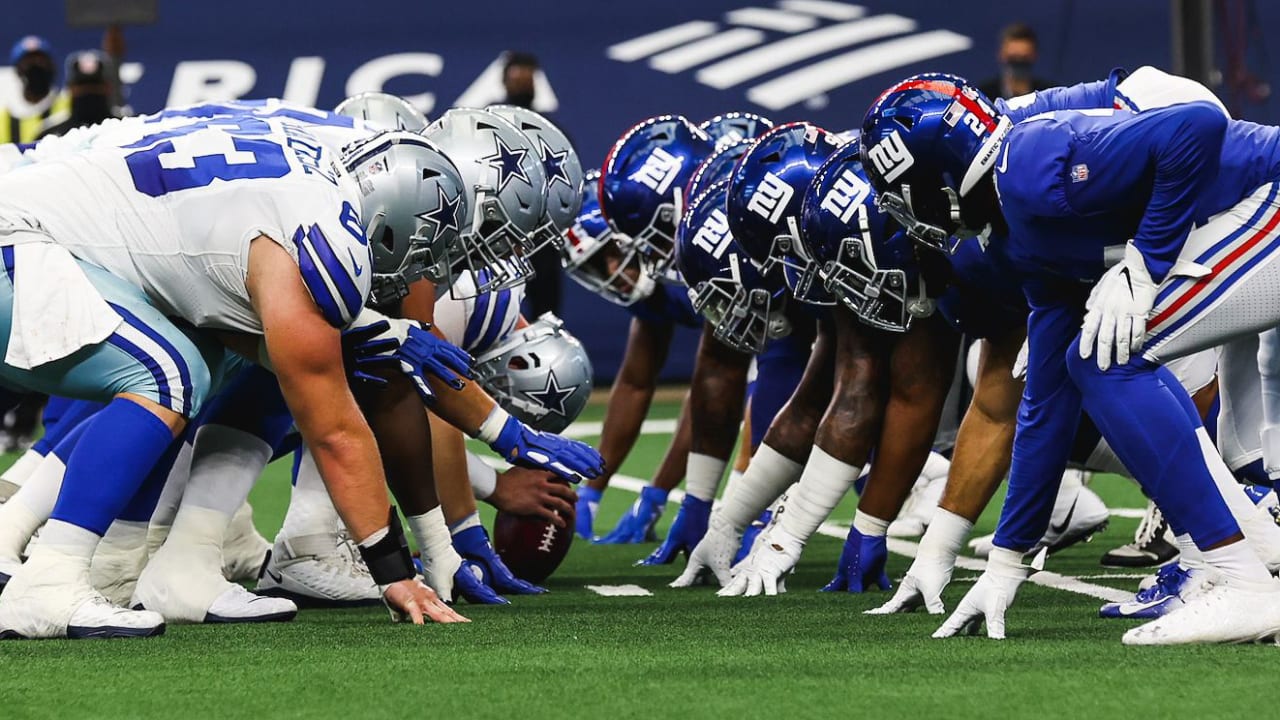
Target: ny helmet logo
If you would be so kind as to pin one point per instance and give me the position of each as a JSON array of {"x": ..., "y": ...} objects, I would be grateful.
[
  {"x": 713, "y": 236},
  {"x": 658, "y": 171},
  {"x": 845, "y": 196},
  {"x": 770, "y": 198}
]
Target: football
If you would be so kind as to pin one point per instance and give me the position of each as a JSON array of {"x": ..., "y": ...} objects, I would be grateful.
[{"x": 533, "y": 548}]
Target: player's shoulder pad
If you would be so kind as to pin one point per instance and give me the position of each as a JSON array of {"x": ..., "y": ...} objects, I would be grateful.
[{"x": 1031, "y": 166}]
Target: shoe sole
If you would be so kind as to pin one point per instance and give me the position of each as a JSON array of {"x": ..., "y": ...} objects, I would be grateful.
[
  {"x": 312, "y": 602},
  {"x": 1084, "y": 535},
  {"x": 268, "y": 618},
  {"x": 109, "y": 632},
  {"x": 1148, "y": 559}
]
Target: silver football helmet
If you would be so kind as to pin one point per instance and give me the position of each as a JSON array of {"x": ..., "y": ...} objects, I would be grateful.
[
  {"x": 413, "y": 204},
  {"x": 539, "y": 373},
  {"x": 383, "y": 111},
  {"x": 506, "y": 194},
  {"x": 562, "y": 167}
]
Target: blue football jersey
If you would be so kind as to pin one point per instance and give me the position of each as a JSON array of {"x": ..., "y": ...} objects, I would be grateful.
[{"x": 668, "y": 305}]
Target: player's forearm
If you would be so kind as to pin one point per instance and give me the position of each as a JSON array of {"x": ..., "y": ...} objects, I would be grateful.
[
  {"x": 628, "y": 405},
  {"x": 465, "y": 409},
  {"x": 676, "y": 459},
  {"x": 347, "y": 458},
  {"x": 453, "y": 484},
  {"x": 395, "y": 416}
]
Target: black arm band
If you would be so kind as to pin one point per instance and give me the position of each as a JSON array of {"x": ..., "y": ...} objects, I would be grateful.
[{"x": 388, "y": 559}]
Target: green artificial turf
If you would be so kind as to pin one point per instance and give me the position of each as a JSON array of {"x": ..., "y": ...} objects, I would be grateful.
[{"x": 677, "y": 654}]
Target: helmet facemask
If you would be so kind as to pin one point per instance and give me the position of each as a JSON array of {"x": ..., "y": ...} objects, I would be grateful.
[
  {"x": 740, "y": 318},
  {"x": 877, "y": 296}
]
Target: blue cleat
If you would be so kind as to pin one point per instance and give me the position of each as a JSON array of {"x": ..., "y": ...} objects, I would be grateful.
[
  {"x": 686, "y": 531},
  {"x": 585, "y": 512},
  {"x": 1156, "y": 601},
  {"x": 474, "y": 547},
  {"x": 749, "y": 535},
  {"x": 636, "y": 526},
  {"x": 862, "y": 564}
]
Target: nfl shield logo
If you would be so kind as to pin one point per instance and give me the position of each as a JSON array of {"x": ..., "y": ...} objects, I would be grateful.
[{"x": 1079, "y": 173}]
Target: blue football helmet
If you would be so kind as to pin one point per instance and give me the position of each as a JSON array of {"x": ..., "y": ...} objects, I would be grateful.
[
  {"x": 765, "y": 197},
  {"x": 643, "y": 178},
  {"x": 732, "y": 127},
  {"x": 743, "y": 308},
  {"x": 595, "y": 258},
  {"x": 926, "y": 143},
  {"x": 718, "y": 166},
  {"x": 864, "y": 259}
]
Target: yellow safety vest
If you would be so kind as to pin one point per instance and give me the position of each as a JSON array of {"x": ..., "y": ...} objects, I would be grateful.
[{"x": 26, "y": 130}]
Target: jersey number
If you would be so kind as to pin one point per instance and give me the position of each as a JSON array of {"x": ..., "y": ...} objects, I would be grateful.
[{"x": 194, "y": 157}]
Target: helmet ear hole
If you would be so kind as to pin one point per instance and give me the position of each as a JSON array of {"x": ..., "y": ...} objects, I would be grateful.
[
  {"x": 518, "y": 363},
  {"x": 905, "y": 121}
]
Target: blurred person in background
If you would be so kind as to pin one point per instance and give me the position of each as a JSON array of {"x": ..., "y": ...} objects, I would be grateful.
[
  {"x": 91, "y": 86},
  {"x": 38, "y": 103},
  {"x": 1019, "y": 50},
  {"x": 543, "y": 290}
]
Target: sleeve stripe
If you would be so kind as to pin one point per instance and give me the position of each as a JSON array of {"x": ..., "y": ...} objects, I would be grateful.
[{"x": 329, "y": 281}]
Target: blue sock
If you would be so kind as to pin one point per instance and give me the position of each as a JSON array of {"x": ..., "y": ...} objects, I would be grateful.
[
  {"x": 1211, "y": 418},
  {"x": 143, "y": 503},
  {"x": 252, "y": 402},
  {"x": 1151, "y": 423},
  {"x": 109, "y": 464},
  {"x": 68, "y": 415}
]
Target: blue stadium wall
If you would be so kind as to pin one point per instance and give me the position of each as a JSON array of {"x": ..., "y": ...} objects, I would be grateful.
[{"x": 819, "y": 61}]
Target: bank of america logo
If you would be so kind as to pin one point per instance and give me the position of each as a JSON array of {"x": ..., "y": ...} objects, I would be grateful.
[{"x": 797, "y": 38}]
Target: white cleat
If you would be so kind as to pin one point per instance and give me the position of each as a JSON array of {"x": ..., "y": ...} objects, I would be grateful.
[
  {"x": 321, "y": 569},
  {"x": 244, "y": 551},
  {"x": 237, "y": 605},
  {"x": 51, "y": 598},
  {"x": 1217, "y": 612},
  {"x": 1075, "y": 519},
  {"x": 116, "y": 565},
  {"x": 918, "y": 510}
]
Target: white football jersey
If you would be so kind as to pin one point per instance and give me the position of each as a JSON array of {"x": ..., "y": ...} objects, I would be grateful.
[
  {"x": 476, "y": 324},
  {"x": 174, "y": 211}
]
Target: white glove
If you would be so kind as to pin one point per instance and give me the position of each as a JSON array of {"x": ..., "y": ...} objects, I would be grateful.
[
  {"x": 774, "y": 554},
  {"x": 1117, "y": 310},
  {"x": 989, "y": 598},
  {"x": 1020, "y": 363},
  {"x": 713, "y": 554},
  {"x": 922, "y": 587}
]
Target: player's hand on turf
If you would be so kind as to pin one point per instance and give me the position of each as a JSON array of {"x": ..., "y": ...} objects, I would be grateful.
[
  {"x": 713, "y": 555},
  {"x": 584, "y": 514},
  {"x": 534, "y": 493},
  {"x": 636, "y": 524},
  {"x": 922, "y": 587},
  {"x": 686, "y": 530},
  {"x": 520, "y": 444},
  {"x": 862, "y": 564},
  {"x": 775, "y": 554},
  {"x": 411, "y": 601},
  {"x": 1116, "y": 317},
  {"x": 989, "y": 598},
  {"x": 474, "y": 546}
]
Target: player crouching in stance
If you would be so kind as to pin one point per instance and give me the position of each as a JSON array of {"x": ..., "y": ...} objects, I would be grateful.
[
  {"x": 287, "y": 270},
  {"x": 1176, "y": 201}
]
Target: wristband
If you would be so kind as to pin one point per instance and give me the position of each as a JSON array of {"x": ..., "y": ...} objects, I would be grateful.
[
  {"x": 492, "y": 426},
  {"x": 387, "y": 557}
]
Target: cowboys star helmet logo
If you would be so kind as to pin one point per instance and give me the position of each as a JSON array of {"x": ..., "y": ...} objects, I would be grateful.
[
  {"x": 445, "y": 215},
  {"x": 552, "y": 396},
  {"x": 507, "y": 162},
  {"x": 553, "y": 163}
]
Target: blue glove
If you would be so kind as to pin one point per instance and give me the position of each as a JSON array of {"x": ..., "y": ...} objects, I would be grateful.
[
  {"x": 686, "y": 531},
  {"x": 469, "y": 585},
  {"x": 473, "y": 545},
  {"x": 749, "y": 536},
  {"x": 520, "y": 444},
  {"x": 422, "y": 352},
  {"x": 371, "y": 347},
  {"x": 636, "y": 526},
  {"x": 585, "y": 512},
  {"x": 862, "y": 564}
]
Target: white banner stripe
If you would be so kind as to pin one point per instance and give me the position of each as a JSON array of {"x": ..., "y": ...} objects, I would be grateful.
[
  {"x": 854, "y": 65},
  {"x": 824, "y": 9},
  {"x": 655, "y": 42},
  {"x": 777, "y": 55},
  {"x": 591, "y": 429},
  {"x": 697, "y": 53},
  {"x": 771, "y": 19}
]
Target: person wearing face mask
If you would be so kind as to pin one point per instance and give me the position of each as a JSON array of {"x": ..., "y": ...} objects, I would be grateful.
[
  {"x": 1019, "y": 49},
  {"x": 38, "y": 103},
  {"x": 91, "y": 90}
]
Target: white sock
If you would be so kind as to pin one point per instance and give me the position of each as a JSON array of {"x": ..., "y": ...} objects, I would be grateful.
[
  {"x": 225, "y": 464},
  {"x": 936, "y": 467},
  {"x": 27, "y": 510},
  {"x": 68, "y": 539},
  {"x": 824, "y": 482},
  {"x": 1189, "y": 556},
  {"x": 1237, "y": 561},
  {"x": 769, "y": 473},
  {"x": 22, "y": 468},
  {"x": 466, "y": 523},
  {"x": 311, "y": 512},
  {"x": 702, "y": 475},
  {"x": 869, "y": 525},
  {"x": 945, "y": 535},
  {"x": 483, "y": 476}
]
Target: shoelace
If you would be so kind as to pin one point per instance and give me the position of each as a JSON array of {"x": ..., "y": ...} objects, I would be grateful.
[
  {"x": 1152, "y": 525},
  {"x": 1168, "y": 580},
  {"x": 349, "y": 555}
]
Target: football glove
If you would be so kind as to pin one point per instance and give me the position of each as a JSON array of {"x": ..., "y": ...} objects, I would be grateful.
[
  {"x": 585, "y": 512},
  {"x": 411, "y": 346},
  {"x": 637, "y": 523},
  {"x": 466, "y": 582},
  {"x": 686, "y": 530},
  {"x": 862, "y": 564},
  {"x": 989, "y": 598},
  {"x": 713, "y": 554},
  {"x": 520, "y": 444},
  {"x": 774, "y": 554},
  {"x": 749, "y": 536},
  {"x": 922, "y": 587},
  {"x": 1116, "y": 317},
  {"x": 474, "y": 546}
]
